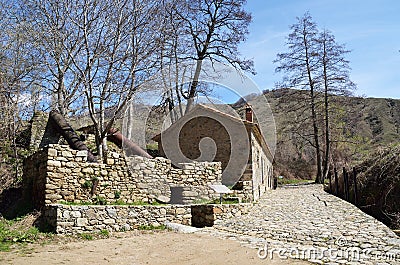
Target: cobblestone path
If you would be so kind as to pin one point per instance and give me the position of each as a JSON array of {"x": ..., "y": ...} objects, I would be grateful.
[{"x": 304, "y": 222}]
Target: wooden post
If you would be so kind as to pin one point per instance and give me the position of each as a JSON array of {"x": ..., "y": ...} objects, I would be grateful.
[
  {"x": 336, "y": 183},
  {"x": 355, "y": 185},
  {"x": 346, "y": 184}
]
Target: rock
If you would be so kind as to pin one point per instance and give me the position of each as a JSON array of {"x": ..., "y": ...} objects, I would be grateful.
[
  {"x": 187, "y": 216},
  {"x": 65, "y": 224},
  {"x": 81, "y": 221},
  {"x": 180, "y": 211},
  {"x": 66, "y": 214},
  {"x": 109, "y": 221},
  {"x": 189, "y": 193},
  {"x": 51, "y": 186},
  {"x": 66, "y": 154},
  {"x": 71, "y": 164},
  {"x": 52, "y": 152},
  {"x": 53, "y": 197},
  {"x": 181, "y": 228},
  {"x": 217, "y": 210},
  {"x": 54, "y": 163},
  {"x": 91, "y": 214},
  {"x": 81, "y": 153},
  {"x": 163, "y": 199},
  {"x": 114, "y": 155},
  {"x": 111, "y": 212},
  {"x": 87, "y": 170},
  {"x": 75, "y": 214}
]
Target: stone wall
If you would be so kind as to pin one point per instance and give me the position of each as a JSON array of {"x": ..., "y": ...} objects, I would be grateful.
[
  {"x": 243, "y": 191},
  {"x": 75, "y": 219},
  {"x": 34, "y": 179},
  {"x": 205, "y": 131},
  {"x": 68, "y": 219},
  {"x": 157, "y": 179},
  {"x": 57, "y": 173},
  {"x": 204, "y": 134},
  {"x": 42, "y": 131},
  {"x": 209, "y": 214},
  {"x": 262, "y": 175}
]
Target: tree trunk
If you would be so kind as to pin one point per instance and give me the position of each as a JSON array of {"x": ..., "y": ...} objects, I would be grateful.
[
  {"x": 327, "y": 130},
  {"x": 60, "y": 97},
  {"x": 104, "y": 148},
  {"x": 327, "y": 141},
  {"x": 316, "y": 139},
  {"x": 171, "y": 105},
  {"x": 193, "y": 86},
  {"x": 313, "y": 112}
]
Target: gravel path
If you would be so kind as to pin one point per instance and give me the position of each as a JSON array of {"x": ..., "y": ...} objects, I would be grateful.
[{"x": 304, "y": 222}]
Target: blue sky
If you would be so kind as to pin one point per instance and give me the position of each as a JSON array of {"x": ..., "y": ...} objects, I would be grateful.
[{"x": 370, "y": 29}]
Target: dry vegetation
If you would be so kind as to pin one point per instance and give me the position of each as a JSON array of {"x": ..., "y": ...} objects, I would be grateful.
[{"x": 379, "y": 185}]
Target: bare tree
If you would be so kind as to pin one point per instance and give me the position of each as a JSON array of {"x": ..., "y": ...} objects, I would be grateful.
[
  {"x": 210, "y": 29},
  {"x": 117, "y": 58},
  {"x": 59, "y": 42},
  {"x": 172, "y": 65},
  {"x": 316, "y": 63},
  {"x": 18, "y": 70},
  {"x": 335, "y": 80},
  {"x": 300, "y": 64}
]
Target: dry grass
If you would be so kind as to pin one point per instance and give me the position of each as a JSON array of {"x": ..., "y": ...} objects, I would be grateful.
[{"x": 379, "y": 185}]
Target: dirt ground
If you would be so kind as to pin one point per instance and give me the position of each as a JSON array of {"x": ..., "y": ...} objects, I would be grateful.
[{"x": 164, "y": 247}]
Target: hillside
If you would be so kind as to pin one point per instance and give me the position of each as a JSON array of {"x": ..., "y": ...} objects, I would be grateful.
[{"x": 363, "y": 125}]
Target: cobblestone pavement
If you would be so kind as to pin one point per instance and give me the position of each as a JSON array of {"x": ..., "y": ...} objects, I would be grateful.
[{"x": 304, "y": 222}]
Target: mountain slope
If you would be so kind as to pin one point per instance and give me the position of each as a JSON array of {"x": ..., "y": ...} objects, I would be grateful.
[{"x": 362, "y": 125}]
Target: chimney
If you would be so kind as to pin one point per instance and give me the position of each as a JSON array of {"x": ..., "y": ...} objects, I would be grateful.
[{"x": 249, "y": 113}]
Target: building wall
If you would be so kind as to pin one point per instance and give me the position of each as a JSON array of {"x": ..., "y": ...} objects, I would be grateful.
[
  {"x": 243, "y": 190},
  {"x": 249, "y": 183},
  {"x": 198, "y": 128},
  {"x": 59, "y": 174},
  {"x": 262, "y": 175},
  {"x": 211, "y": 132}
]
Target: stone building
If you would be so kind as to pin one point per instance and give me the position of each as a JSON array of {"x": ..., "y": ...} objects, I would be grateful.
[{"x": 207, "y": 134}]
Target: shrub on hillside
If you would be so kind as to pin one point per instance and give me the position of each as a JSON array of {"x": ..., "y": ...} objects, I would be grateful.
[{"x": 379, "y": 185}]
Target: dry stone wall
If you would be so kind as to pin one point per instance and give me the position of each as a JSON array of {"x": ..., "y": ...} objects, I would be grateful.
[
  {"x": 69, "y": 219},
  {"x": 244, "y": 191},
  {"x": 57, "y": 174},
  {"x": 159, "y": 180},
  {"x": 76, "y": 219},
  {"x": 34, "y": 178},
  {"x": 64, "y": 175},
  {"x": 209, "y": 214}
]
